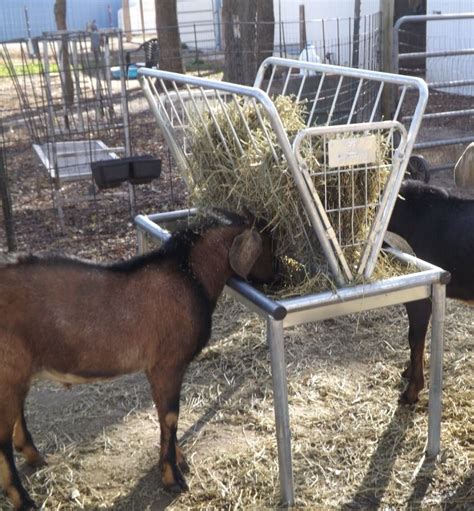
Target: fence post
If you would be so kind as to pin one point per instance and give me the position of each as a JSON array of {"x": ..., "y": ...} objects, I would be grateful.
[
  {"x": 6, "y": 203},
  {"x": 302, "y": 28},
  {"x": 389, "y": 92},
  {"x": 127, "y": 23},
  {"x": 356, "y": 36}
]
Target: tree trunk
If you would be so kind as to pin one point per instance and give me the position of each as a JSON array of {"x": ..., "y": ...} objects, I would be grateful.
[
  {"x": 248, "y": 31},
  {"x": 168, "y": 36},
  {"x": 66, "y": 81},
  {"x": 232, "y": 41},
  {"x": 265, "y": 30},
  {"x": 248, "y": 37}
]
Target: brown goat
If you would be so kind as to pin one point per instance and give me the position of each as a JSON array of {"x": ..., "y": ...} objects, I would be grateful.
[{"x": 73, "y": 321}]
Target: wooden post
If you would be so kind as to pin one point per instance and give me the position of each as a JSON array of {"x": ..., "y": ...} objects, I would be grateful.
[
  {"x": 356, "y": 35},
  {"x": 302, "y": 28},
  {"x": 142, "y": 20},
  {"x": 6, "y": 204},
  {"x": 390, "y": 92},
  {"x": 127, "y": 24}
]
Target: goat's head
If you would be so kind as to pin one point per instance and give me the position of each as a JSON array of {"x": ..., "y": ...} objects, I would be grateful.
[{"x": 252, "y": 253}]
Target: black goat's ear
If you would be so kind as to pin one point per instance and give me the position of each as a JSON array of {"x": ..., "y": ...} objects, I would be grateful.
[{"x": 245, "y": 250}]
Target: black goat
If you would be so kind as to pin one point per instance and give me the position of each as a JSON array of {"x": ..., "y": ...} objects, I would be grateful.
[
  {"x": 440, "y": 230},
  {"x": 73, "y": 321}
]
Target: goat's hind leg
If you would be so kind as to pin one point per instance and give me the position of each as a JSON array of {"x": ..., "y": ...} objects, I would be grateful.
[
  {"x": 419, "y": 313},
  {"x": 166, "y": 387},
  {"x": 24, "y": 444},
  {"x": 10, "y": 408}
]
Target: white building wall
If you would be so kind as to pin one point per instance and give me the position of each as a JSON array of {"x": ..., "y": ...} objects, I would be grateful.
[
  {"x": 450, "y": 35},
  {"x": 195, "y": 18}
]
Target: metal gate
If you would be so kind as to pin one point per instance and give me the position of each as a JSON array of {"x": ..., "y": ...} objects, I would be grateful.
[{"x": 448, "y": 121}]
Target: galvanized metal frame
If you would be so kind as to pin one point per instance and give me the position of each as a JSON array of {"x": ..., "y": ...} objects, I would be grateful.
[
  {"x": 429, "y": 282},
  {"x": 371, "y": 245},
  {"x": 397, "y": 57},
  {"x": 171, "y": 112}
]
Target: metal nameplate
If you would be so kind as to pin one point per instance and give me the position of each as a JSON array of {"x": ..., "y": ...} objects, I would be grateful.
[{"x": 352, "y": 151}]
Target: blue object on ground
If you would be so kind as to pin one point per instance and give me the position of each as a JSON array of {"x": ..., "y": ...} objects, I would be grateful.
[{"x": 131, "y": 75}]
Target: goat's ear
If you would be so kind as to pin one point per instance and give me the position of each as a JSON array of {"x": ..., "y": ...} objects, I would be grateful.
[{"x": 245, "y": 250}]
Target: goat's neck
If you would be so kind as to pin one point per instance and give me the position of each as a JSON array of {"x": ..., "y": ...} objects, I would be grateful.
[{"x": 209, "y": 259}]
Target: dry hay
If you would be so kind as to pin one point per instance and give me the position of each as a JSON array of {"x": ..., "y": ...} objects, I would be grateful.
[
  {"x": 263, "y": 184},
  {"x": 354, "y": 446}
]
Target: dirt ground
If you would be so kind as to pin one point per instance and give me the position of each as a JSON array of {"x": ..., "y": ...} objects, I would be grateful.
[{"x": 354, "y": 445}]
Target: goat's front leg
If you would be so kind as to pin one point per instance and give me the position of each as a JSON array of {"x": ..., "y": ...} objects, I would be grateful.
[
  {"x": 10, "y": 408},
  {"x": 419, "y": 314},
  {"x": 166, "y": 387}
]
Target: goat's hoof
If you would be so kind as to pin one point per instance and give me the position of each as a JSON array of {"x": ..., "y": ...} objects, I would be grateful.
[
  {"x": 178, "y": 486},
  {"x": 173, "y": 479},
  {"x": 27, "y": 505},
  {"x": 38, "y": 462},
  {"x": 409, "y": 397}
]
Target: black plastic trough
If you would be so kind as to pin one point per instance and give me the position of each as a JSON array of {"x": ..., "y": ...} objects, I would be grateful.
[{"x": 135, "y": 169}]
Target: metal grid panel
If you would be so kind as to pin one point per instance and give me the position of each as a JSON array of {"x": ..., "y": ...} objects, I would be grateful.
[
  {"x": 66, "y": 94},
  {"x": 73, "y": 158},
  {"x": 340, "y": 102}
]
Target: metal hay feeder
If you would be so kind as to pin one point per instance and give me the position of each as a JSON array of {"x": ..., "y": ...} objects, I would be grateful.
[{"x": 341, "y": 103}]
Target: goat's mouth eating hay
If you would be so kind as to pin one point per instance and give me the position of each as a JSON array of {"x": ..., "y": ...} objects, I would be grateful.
[{"x": 237, "y": 163}]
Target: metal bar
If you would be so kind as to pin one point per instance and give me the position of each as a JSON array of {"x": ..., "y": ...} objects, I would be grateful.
[
  {"x": 418, "y": 18},
  {"x": 440, "y": 115},
  {"x": 344, "y": 295},
  {"x": 354, "y": 101},
  {"x": 245, "y": 122},
  {"x": 231, "y": 126},
  {"x": 361, "y": 304},
  {"x": 451, "y": 83},
  {"x": 418, "y": 263},
  {"x": 164, "y": 123},
  {"x": 439, "y": 143},
  {"x": 254, "y": 299},
  {"x": 170, "y": 216},
  {"x": 400, "y": 102},
  {"x": 265, "y": 130},
  {"x": 282, "y": 417},
  {"x": 367, "y": 74},
  {"x": 377, "y": 102},
  {"x": 432, "y": 54},
  {"x": 336, "y": 95},
  {"x": 436, "y": 370},
  {"x": 315, "y": 100},
  {"x": 286, "y": 81}
]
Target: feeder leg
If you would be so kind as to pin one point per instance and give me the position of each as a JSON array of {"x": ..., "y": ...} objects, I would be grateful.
[
  {"x": 57, "y": 199},
  {"x": 131, "y": 199},
  {"x": 436, "y": 370},
  {"x": 282, "y": 418},
  {"x": 142, "y": 242}
]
